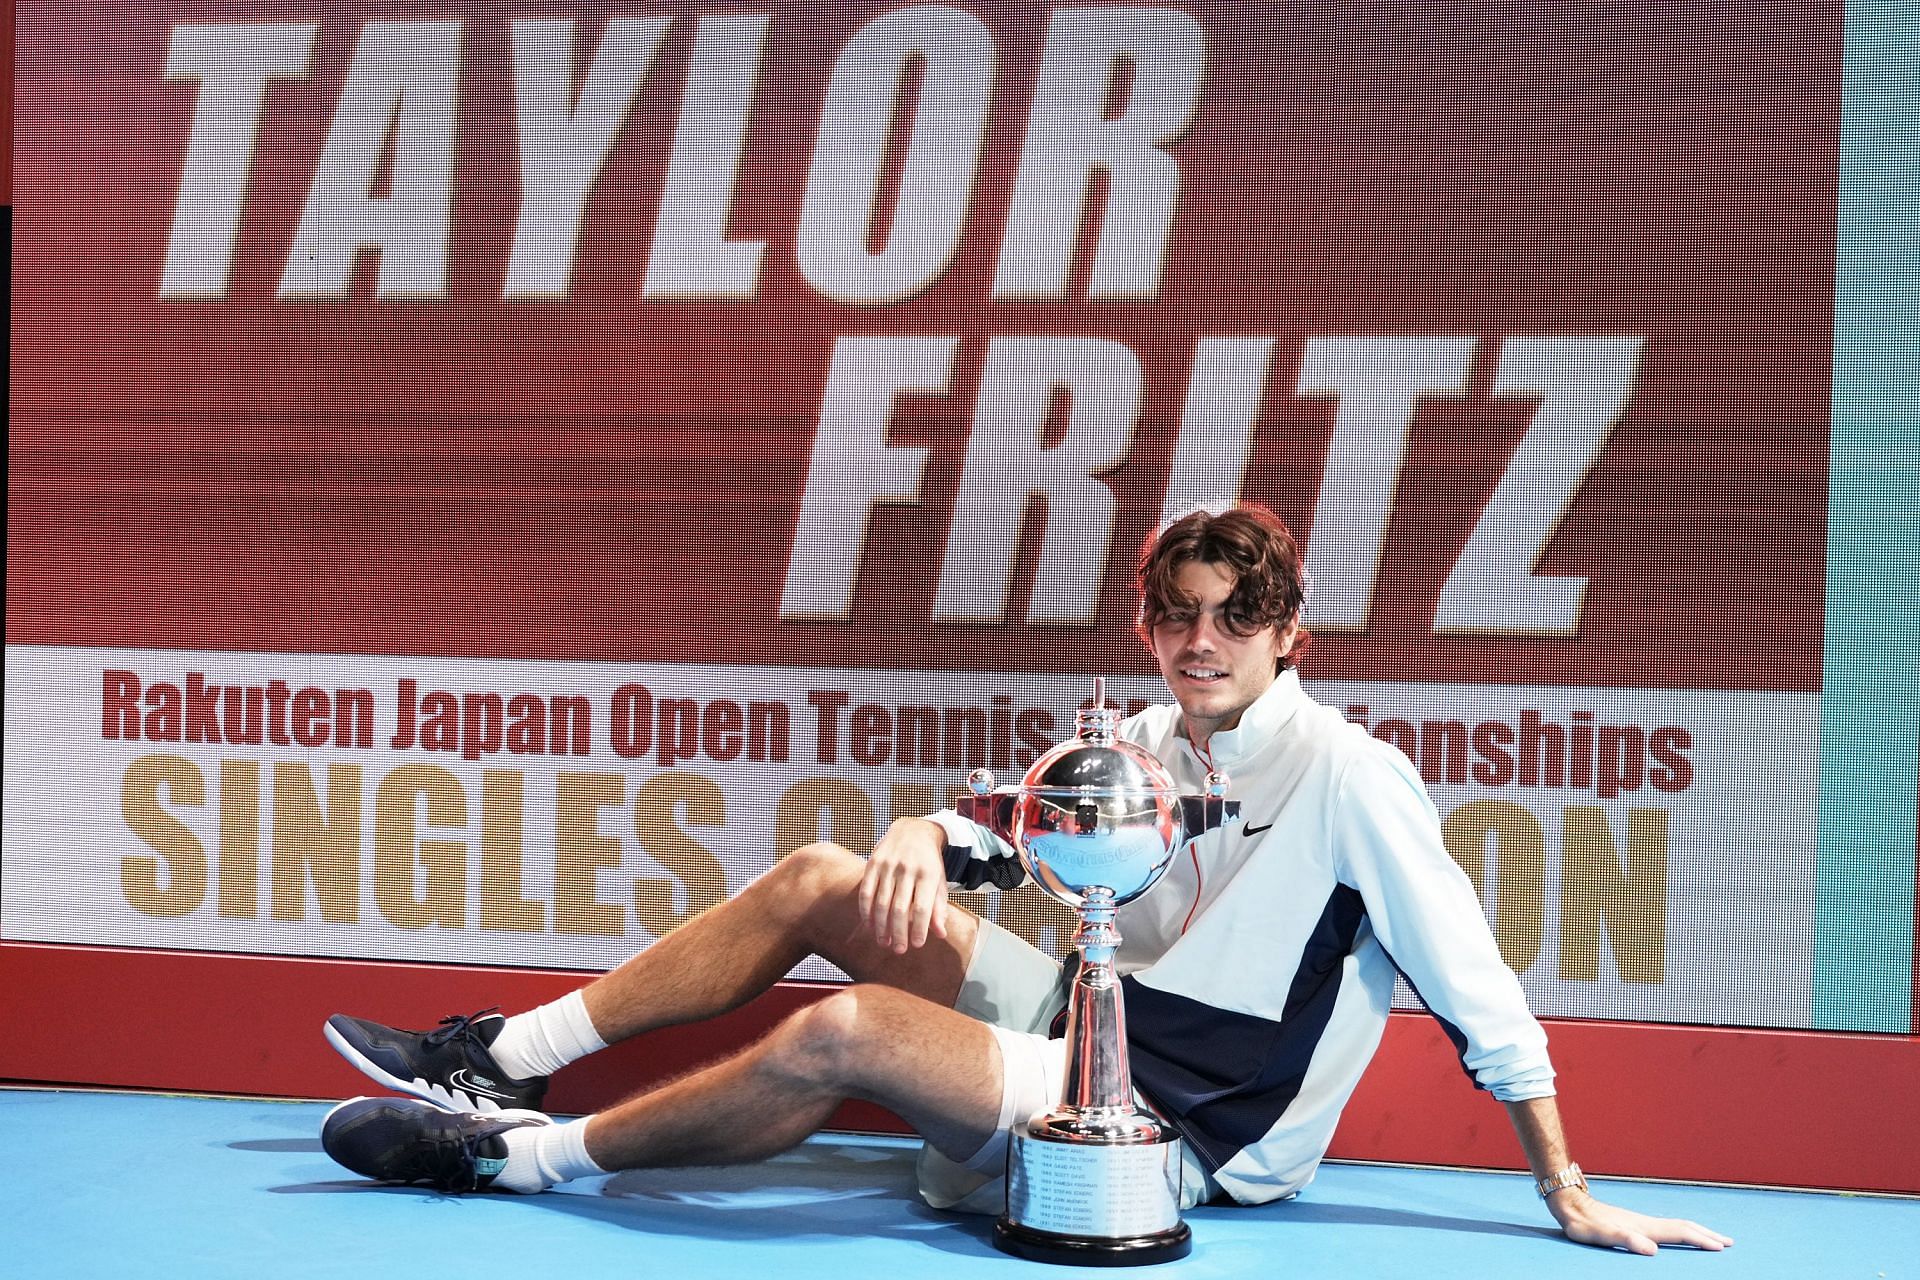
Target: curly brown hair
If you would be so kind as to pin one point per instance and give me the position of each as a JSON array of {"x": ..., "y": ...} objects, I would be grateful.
[{"x": 1269, "y": 586}]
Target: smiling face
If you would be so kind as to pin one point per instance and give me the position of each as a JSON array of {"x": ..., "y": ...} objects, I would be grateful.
[{"x": 1215, "y": 660}]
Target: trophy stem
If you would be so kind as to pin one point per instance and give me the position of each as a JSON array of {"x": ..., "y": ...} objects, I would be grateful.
[
  {"x": 1099, "y": 1086},
  {"x": 1095, "y": 1181}
]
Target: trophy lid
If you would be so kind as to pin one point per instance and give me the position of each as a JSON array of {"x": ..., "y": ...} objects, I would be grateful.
[{"x": 1097, "y": 757}]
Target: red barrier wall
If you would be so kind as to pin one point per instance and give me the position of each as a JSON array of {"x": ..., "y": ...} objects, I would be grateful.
[{"x": 1696, "y": 1103}]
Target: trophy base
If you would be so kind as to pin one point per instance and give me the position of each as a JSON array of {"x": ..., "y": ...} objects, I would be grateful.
[
  {"x": 1087, "y": 1197},
  {"x": 1092, "y": 1251}
]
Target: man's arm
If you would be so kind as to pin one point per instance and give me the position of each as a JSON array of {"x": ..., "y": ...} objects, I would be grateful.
[
  {"x": 1427, "y": 916},
  {"x": 1584, "y": 1219}
]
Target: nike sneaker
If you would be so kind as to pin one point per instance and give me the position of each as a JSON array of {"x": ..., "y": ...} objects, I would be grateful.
[
  {"x": 405, "y": 1140},
  {"x": 450, "y": 1066}
]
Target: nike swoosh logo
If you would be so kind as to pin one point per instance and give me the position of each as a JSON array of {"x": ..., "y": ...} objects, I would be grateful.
[
  {"x": 1254, "y": 831},
  {"x": 462, "y": 1079}
]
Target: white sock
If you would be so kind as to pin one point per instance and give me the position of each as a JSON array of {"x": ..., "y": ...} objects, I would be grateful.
[
  {"x": 538, "y": 1156},
  {"x": 541, "y": 1041}
]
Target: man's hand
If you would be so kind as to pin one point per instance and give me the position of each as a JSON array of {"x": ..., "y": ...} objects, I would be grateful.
[
  {"x": 903, "y": 896},
  {"x": 1589, "y": 1221},
  {"x": 1536, "y": 1121}
]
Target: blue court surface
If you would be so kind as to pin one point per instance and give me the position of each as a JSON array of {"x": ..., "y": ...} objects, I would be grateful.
[{"x": 107, "y": 1184}]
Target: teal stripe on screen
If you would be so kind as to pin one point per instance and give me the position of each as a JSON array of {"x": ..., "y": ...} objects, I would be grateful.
[{"x": 1870, "y": 709}]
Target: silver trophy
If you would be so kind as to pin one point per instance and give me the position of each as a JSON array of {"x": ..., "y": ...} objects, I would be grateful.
[{"x": 1096, "y": 820}]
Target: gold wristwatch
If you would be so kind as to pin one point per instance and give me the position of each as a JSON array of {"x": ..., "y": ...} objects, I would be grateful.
[{"x": 1567, "y": 1177}]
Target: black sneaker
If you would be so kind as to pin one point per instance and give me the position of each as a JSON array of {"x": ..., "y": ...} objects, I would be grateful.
[
  {"x": 404, "y": 1140},
  {"x": 451, "y": 1067}
]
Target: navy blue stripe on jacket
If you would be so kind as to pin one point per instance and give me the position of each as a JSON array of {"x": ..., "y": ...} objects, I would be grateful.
[{"x": 1224, "y": 1078}]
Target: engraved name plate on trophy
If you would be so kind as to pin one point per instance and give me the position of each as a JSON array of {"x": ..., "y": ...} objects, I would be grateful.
[{"x": 1096, "y": 1181}]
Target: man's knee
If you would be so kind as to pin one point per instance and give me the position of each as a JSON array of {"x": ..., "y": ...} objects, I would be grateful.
[
  {"x": 813, "y": 873},
  {"x": 831, "y": 1040},
  {"x": 820, "y": 865}
]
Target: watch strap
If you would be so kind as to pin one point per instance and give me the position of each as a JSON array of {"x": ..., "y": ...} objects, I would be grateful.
[{"x": 1567, "y": 1177}]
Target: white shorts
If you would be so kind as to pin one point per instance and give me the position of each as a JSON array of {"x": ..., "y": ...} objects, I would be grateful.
[{"x": 1017, "y": 991}]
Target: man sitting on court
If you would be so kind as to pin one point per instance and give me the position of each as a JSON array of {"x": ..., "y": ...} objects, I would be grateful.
[{"x": 1258, "y": 974}]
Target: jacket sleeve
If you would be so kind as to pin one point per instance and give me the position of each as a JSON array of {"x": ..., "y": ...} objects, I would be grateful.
[
  {"x": 1386, "y": 844},
  {"x": 975, "y": 856}
]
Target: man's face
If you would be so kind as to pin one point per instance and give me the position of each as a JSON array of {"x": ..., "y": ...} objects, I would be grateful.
[{"x": 1214, "y": 671}]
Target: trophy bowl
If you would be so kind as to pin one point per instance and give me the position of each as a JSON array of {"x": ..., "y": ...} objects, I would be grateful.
[{"x": 1097, "y": 813}]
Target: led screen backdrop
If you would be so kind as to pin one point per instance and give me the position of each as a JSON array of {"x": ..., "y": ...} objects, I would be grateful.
[{"x": 484, "y": 485}]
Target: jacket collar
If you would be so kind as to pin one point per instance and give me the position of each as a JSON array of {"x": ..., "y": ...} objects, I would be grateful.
[{"x": 1259, "y": 724}]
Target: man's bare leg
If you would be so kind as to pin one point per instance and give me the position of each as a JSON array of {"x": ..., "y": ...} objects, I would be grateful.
[
  {"x": 938, "y": 1070},
  {"x": 883, "y": 919},
  {"x": 806, "y": 905}
]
